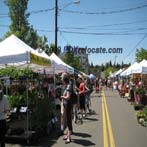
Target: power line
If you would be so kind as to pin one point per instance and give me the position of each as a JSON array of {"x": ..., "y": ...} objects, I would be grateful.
[
  {"x": 106, "y": 12},
  {"x": 31, "y": 12},
  {"x": 110, "y": 33},
  {"x": 136, "y": 46},
  {"x": 82, "y": 12},
  {"x": 41, "y": 30},
  {"x": 96, "y": 26},
  {"x": 106, "y": 25},
  {"x": 41, "y": 11},
  {"x": 95, "y": 33},
  {"x": 115, "y": 29},
  {"x": 61, "y": 34}
]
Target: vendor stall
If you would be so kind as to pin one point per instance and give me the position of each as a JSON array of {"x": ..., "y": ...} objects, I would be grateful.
[{"x": 16, "y": 53}]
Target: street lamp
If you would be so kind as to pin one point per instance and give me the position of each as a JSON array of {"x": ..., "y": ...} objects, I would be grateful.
[
  {"x": 56, "y": 20},
  {"x": 70, "y": 3}
]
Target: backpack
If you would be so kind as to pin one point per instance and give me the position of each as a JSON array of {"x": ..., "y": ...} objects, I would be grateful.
[{"x": 73, "y": 98}]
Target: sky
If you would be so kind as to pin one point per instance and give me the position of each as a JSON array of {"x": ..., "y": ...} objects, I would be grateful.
[{"x": 92, "y": 24}]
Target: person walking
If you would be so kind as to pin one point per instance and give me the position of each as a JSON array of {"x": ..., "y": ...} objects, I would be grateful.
[{"x": 4, "y": 108}]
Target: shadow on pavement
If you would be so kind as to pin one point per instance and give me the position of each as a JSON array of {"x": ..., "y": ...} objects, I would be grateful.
[
  {"x": 83, "y": 142},
  {"x": 91, "y": 119},
  {"x": 46, "y": 141},
  {"x": 84, "y": 135}
]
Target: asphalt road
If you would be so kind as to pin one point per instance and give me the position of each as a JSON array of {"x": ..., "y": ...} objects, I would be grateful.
[{"x": 114, "y": 124}]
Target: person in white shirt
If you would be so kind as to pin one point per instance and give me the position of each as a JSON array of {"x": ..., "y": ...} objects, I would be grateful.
[{"x": 4, "y": 108}]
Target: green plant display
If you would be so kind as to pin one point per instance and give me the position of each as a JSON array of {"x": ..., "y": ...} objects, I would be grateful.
[
  {"x": 141, "y": 114},
  {"x": 16, "y": 73},
  {"x": 41, "y": 107},
  {"x": 140, "y": 91},
  {"x": 42, "y": 112},
  {"x": 16, "y": 100},
  {"x": 142, "y": 117},
  {"x": 138, "y": 106}
]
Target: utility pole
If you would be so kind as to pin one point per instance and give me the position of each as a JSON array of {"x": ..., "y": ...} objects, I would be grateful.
[
  {"x": 56, "y": 26},
  {"x": 56, "y": 21}
]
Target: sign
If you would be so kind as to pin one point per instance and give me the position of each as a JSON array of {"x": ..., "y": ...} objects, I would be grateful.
[{"x": 39, "y": 60}]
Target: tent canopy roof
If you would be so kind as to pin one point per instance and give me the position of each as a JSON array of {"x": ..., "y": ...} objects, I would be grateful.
[
  {"x": 13, "y": 46},
  {"x": 14, "y": 51},
  {"x": 59, "y": 65}
]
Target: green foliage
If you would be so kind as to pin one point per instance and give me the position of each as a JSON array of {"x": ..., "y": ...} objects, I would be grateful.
[
  {"x": 16, "y": 73},
  {"x": 138, "y": 106},
  {"x": 108, "y": 70},
  {"x": 42, "y": 42},
  {"x": 72, "y": 60},
  {"x": 108, "y": 64},
  {"x": 141, "y": 114},
  {"x": 102, "y": 67},
  {"x": 20, "y": 25},
  {"x": 142, "y": 117},
  {"x": 51, "y": 49},
  {"x": 17, "y": 12},
  {"x": 32, "y": 38},
  {"x": 145, "y": 110},
  {"x": 16, "y": 100},
  {"x": 141, "y": 54},
  {"x": 140, "y": 91},
  {"x": 42, "y": 112}
]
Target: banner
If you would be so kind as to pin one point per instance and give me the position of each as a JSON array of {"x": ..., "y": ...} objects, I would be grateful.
[{"x": 39, "y": 60}]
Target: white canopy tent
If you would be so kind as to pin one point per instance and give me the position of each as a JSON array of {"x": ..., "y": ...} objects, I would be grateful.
[
  {"x": 141, "y": 68},
  {"x": 118, "y": 72},
  {"x": 59, "y": 65},
  {"x": 129, "y": 69},
  {"x": 15, "y": 52},
  {"x": 112, "y": 75},
  {"x": 92, "y": 77}
]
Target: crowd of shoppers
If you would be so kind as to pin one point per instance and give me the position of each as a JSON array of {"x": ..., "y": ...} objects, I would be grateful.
[{"x": 82, "y": 87}]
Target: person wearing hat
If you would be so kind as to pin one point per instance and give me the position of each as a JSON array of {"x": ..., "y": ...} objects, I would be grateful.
[{"x": 4, "y": 108}]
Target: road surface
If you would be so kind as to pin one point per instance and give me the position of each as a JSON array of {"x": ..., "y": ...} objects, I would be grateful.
[{"x": 114, "y": 124}]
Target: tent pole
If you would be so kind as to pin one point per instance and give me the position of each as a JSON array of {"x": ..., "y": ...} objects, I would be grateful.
[
  {"x": 27, "y": 108},
  {"x": 53, "y": 66},
  {"x": 27, "y": 94}
]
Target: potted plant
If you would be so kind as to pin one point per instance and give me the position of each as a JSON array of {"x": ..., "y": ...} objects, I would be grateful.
[
  {"x": 141, "y": 117},
  {"x": 138, "y": 107},
  {"x": 141, "y": 93}
]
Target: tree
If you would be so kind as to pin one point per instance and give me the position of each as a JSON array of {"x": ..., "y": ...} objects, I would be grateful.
[
  {"x": 51, "y": 49},
  {"x": 108, "y": 71},
  {"x": 141, "y": 54},
  {"x": 110, "y": 63},
  {"x": 102, "y": 67},
  {"x": 17, "y": 12},
  {"x": 21, "y": 27},
  {"x": 71, "y": 60},
  {"x": 32, "y": 38},
  {"x": 42, "y": 44},
  {"x": 122, "y": 64}
]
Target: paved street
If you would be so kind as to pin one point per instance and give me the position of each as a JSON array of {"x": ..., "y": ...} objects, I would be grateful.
[{"x": 114, "y": 124}]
